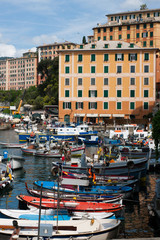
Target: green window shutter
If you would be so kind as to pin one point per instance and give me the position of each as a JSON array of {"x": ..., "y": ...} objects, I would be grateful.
[
  {"x": 67, "y": 93},
  {"x": 118, "y": 105},
  {"x": 93, "y": 57},
  {"x": 96, "y": 105},
  {"x": 128, "y": 36},
  {"x": 151, "y": 34},
  {"x": 116, "y": 57},
  {"x": 146, "y": 56},
  {"x": 105, "y": 57},
  {"x": 144, "y": 44},
  {"x": 132, "y": 93},
  {"x": 145, "y": 93},
  {"x": 151, "y": 43},
  {"x": 63, "y": 105},
  {"x": 118, "y": 93},
  {"x": 104, "y": 38},
  {"x": 132, "y": 105},
  {"x": 105, "y": 105},
  {"x": 105, "y": 69},
  {"x": 95, "y": 93},
  {"x": 67, "y": 58},
  {"x": 89, "y": 93},
  {"x": 89, "y": 105},
  {"x": 76, "y": 105},
  {"x": 129, "y": 57},
  {"x": 145, "y": 105},
  {"x": 122, "y": 57},
  {"x": 105, "y": 93},
  {"x": 82, "y": 105},
  {"x": 79, "y": 93},
  {"x": 79, "y": 69},
  {"x": 137, "y": 35},
  {"x": 136, "y": 56},
  {"x": 80, "y": 58},
  {"x": 69, "y": 105},
  {"x": 93, "y": 69},
  {"x": 66, "y": 69}
]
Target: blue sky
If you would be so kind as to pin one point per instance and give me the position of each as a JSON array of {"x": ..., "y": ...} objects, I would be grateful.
[{"x": 26, "y": 24}]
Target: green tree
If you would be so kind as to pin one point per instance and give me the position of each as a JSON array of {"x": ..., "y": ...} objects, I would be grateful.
[
  {"x": 143, "y": 7},
  {"x": 156, "y": 131},
  {"x": 84, "y": 40}
]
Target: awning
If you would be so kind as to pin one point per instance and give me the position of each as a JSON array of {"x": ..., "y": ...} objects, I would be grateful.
[
  {"x": 79, "y": 114},
  {"x": 92, "y": 115},
  {"x": 118, "y": 115},
  {"x": 105, "y": 115}
]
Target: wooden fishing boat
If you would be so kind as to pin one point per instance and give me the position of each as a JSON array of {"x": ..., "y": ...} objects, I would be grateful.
[
  {"x": 12, "y": 145},
  {"x": 82, "y": 198},
  {"x": 15, "y": 162},
  {"x": 71, "y": 206},
  {"x": 72, "y": 229},
  {"x": 6, "y": 176}
]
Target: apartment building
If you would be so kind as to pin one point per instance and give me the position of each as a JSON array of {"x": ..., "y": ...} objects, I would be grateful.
[
  {"x": 18, "y": 73},
  {"x": 50, "y": 51},
  {"x": 140, "y": 27},
  {"x": 106, "y": 79}
]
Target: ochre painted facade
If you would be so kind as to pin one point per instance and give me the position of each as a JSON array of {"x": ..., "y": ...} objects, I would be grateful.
[{"x": 98, "y": 83}]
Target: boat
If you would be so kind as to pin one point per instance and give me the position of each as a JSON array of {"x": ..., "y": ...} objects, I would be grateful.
[
  {"x": 62, "y": 133},
  {"x": 72, "y": 205},
  {"x": 89, "y": 140},
  {"x": 120, "y": 166},
  {"x": 86, "y": 190},
  {"x": 15, "y": 162},
  {"x": 6, "y": 176},
  {"x": 79, "y": 197},
  {"x": 12, "y": 145},
  {"x": 71, "y": 229},
  {"x": 51, "y": 214}
]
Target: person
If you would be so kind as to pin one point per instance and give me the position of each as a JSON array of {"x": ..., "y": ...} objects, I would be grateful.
[{"x": 16, "y": 231}]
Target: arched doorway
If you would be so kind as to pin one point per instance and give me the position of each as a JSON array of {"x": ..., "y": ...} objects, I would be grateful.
[{"x": 67, "y": 119}]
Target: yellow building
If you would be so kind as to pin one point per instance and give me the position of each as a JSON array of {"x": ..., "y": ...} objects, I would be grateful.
[
  {"x": 140, "y": 27},
  {"x": 106, "y": 79}
]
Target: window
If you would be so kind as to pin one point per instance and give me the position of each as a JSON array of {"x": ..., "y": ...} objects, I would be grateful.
[
  {"x": 144, "y": 25},
  {"x": 67, "y": 81},
  {"x": 66, "y": 69},
  {"x": 79, "y": 93},
  {"x": 128, "y": 27},
  {"x": 111, "y": 38},
  {"x": 105, "y": 93},
  {"x": 119, "y": 57},
  {"x": 80, "y": 57},
  {"x": 111, "y": 29},
  {"x": 104, "y": 29},
  {"x": 111, "y": 18},
  {"x": 132, "y": 69},
  {"x": 119, "y": 45},
  {"x": 137, "y": 35},
  {"x": 151, "y": 43},
  {"x": 105, "y": 81},
  {"x": 66, "y": 93},
  {"x": 146, "y": 93},
  {"x": 151, "y": 25},
  {"x": 119, "y": 105},
  {"x": 145, "y": 34},
  {"x": 151, "y": 34},
  {"x": 66, "y": 58},
  {"x": 92, "y": 93},
  {"x": 119, "y": 93},
  {"x": 131, "y": 45},
  {"x": 132, "y": 56},
  {"x": 93, "y": 57},
  {"x": 93, "y": 46},
  {"x": 144, "y": 44},
  {"x": 80, "y": 81},
  {"x": 80, "y": 69},
  {"x": 146, "y": 56},
  {"x": 93, "y": 69},
  {"x": 105, "y": 69},
  {"x": 120, "y": 28},
  {"x": 145, "y": 105},
  {"x": 92, "y": 105},
  {"x": 137, "y": 26},
  {"x": 105, "y": 45},
  {"x": 146, "y": 68},
  {"x": 119, "y": 69},
  {"x": 146, "y": 81},
  {"x": 120, "y": 37},
  {"x": 79, "y": 105},
  {"x": 99, "y": 30},
  {"x": 66, "y": 105},
  {"x": 128, "y": 36},
  {"x": 104, "y": 38},
  {"x": 132, "y": 93},
  {"x": 119, "y": 81},
  {"x": 93, "y": 81},
  {"x": 99, "y": 38},
  {"x": 132, "y": 81},
  {"x": 132, "y": 105},
  {"x": 105, "y": 105},
  {"x": 148, "y": 14},
  {"x": 81, "y": 46},
  {"x": 105, "y": 57}
]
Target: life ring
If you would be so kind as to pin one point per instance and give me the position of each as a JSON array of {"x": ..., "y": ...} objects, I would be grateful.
[{"x": 32, "y": 134}]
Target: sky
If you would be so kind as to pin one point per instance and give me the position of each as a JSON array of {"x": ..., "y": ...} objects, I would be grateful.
[{"x": 27, "y": 24}]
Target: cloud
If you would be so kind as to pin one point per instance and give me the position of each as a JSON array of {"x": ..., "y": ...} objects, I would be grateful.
[
  {"x": 44, "y": 39},
  {"x": 7, "y": 50}
]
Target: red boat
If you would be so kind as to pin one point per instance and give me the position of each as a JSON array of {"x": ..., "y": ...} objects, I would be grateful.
[{"x": 70, "y": 205}]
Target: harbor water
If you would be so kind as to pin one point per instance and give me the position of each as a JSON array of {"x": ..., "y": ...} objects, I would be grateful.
[{"x": 136, "y": 224}]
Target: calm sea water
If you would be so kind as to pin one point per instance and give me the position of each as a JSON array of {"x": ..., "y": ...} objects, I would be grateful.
[{"x": 137, "y": 223}]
